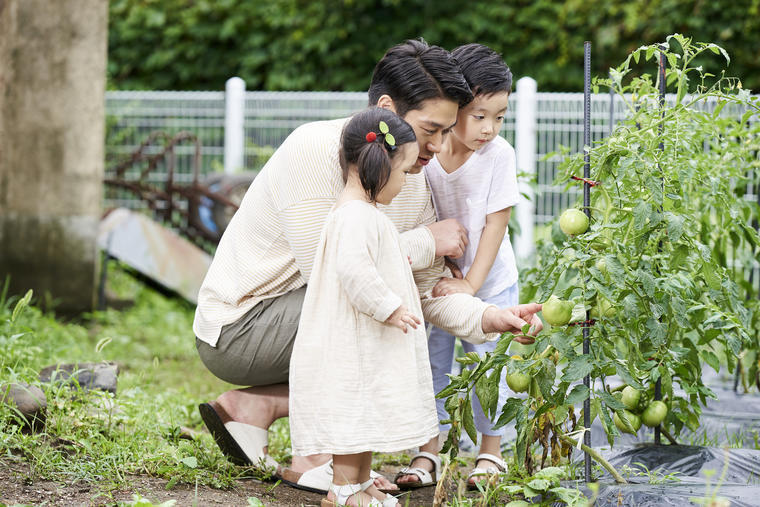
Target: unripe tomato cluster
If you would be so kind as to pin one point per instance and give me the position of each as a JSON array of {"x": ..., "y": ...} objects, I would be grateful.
[{"x": 637, "y": 411}]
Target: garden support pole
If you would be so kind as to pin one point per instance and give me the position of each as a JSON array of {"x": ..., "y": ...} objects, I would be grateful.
[
  {"x": 525, "y": 151},
  {"x": 661, "y": 79},
  {"x": 612, "y": 108},
  {"x": 587, "y": 209},
  {"x": 234, "y": 132}
]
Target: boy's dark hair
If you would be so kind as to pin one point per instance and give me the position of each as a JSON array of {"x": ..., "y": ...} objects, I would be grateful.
[
  {"x": 413, "y": 72},
  {"x": 373, "y": 158},
  {"x": 483, "y": 68}
]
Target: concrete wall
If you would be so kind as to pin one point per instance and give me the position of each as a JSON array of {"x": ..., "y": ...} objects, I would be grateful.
[{"x": 52, "y": 85}]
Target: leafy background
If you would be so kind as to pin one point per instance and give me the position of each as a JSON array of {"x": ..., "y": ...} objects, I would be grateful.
[{"x": 318, "y": 45}]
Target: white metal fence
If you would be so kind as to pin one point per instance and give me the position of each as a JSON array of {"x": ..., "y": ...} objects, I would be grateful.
[
  {"x": 546, "y": 121},
  {"x": 270, "y": 116}
]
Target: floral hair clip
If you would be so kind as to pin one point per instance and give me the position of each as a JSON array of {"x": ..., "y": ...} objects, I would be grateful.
[{"x": 389, "y": 139}]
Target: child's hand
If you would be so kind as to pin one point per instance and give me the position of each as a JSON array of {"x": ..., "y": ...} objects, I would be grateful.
[
  {"x": 403, "y": 317},
  {"x": 448, "y": 286}
]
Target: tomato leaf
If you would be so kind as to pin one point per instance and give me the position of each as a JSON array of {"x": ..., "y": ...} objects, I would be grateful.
[
  {"x": 675, "y": 226},
  {"x": 711, "y": 279},
  {"x": 577, "y": 395},
  {"x": 628, "y": 378},
  {"x": 467, "y": 420},
  {"x": 640, "y": 215},
  {"x": 610, "y": 400},
  {"x": 647, "y": 282},
  {"x": 679, "y": 255},
  {"x": 711, "y": 359},
  {"x": 657, "y": 332},
  {"x": 509, "y": 411},
  {"x": 579, "y": 367},
  {"x": 546, "y": 377}
]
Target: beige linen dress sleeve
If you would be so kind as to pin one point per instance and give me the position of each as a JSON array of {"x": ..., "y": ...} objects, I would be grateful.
[{"x": 357, "y": 271}]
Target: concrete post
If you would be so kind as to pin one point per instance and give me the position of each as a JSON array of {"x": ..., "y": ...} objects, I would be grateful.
[
  {"x": 234, "y": 134},
  {"x": 52, "y": 106},
  {"x": 525, "y": 151}
]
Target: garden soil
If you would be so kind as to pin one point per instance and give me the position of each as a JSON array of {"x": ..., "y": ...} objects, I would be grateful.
[{"x": 19, "y": 486}]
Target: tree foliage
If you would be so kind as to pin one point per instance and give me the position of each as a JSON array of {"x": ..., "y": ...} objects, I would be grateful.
[{"x": 312, "y": 45}]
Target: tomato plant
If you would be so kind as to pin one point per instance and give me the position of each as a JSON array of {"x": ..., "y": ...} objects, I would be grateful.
[{"x": 662, "y": 263}]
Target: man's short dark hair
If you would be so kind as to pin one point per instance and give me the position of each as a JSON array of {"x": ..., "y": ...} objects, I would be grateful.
[
  {"x": 483, "y": 68},
  {"x": 413, "y": 72}
]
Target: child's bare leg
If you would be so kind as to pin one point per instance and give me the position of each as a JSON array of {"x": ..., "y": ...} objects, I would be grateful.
[{"x": 352, "y": 469}]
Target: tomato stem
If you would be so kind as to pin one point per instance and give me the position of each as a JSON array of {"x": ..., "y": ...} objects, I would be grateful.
[{"x": 597, "y": 457}]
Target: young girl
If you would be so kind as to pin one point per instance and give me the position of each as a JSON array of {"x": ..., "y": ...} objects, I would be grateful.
[
  {"x": 360, "y": 380},
  {"x": 473, "y": 179}
]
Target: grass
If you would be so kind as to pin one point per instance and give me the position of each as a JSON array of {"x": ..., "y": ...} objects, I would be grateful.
[{"x": 96, "y": 437}]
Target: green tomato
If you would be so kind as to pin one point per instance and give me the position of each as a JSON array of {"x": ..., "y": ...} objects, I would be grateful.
[
  {"x": 601, "y": 244},
  {"x": 601, "y": 265},
  {"x": 602, "y": 308},
  {"x": 654, "y": 414},
  {"x": 634, "y": 422},
  {"x": 573, "y": 221},
  {"x": 557, "y": 312},
  {"x": 521, "y": 349},
  {"x": 630, "y": 398},
  {"x": 518, "y": 382}
]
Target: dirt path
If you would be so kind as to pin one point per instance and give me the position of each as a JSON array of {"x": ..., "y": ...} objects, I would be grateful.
[{"x": 16, "y": 487}]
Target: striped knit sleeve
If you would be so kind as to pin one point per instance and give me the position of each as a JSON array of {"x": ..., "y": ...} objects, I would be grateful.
[
  {"x": 458, "y": 314},
  {"x": 419, "y": 245}
]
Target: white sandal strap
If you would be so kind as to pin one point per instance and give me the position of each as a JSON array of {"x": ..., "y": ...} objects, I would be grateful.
[
  {"x": 390, "y": 501},
  {"x": 424, "y": 475},
  {"x": 366, "y": 484},
  {"x": 345, "y": 491},
  {"x": 434, "y": 459},
  {"x": 501, "y": 465}
]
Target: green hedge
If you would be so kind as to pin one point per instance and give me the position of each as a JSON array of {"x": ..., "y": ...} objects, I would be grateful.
[{"x": 313, "y": 45}]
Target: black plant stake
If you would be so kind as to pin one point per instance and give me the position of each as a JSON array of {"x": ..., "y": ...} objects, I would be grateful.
[{"x": 587, "y": 209}]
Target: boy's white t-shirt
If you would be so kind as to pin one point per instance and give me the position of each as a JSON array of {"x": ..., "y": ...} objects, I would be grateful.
[{"x": 485, "y": 183}]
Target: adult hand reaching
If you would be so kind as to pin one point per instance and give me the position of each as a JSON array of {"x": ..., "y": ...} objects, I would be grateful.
[
  {"x": 512, "y": 320},
  {"x": 450, "y": 238}
]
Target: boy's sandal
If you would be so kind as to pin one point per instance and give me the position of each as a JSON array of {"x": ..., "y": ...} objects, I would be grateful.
[
  {"x": 499, "y": 466},
  {"x": 426, "y": 478},
  {"x": 345, "y": 491}
]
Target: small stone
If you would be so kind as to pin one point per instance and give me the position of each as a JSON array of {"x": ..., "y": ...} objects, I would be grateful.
[
  {"x": 89, "y": 376},
  {"x": 30, "y": 402}
]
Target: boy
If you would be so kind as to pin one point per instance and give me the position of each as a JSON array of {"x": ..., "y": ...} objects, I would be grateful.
[{"x": 473, "y": 180}]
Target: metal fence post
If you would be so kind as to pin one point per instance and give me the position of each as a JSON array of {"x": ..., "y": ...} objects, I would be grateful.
[
  {"x": 234, "y": 116},
  {"x": 525, "y": 151}
]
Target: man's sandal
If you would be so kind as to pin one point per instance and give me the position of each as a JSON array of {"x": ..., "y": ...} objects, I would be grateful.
[
  {"x": 241, "y": 443},
  {"x": 426, "y": 478},
  {"x": 486, "y": 474},
  {"x": 345, "y": 491}
]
